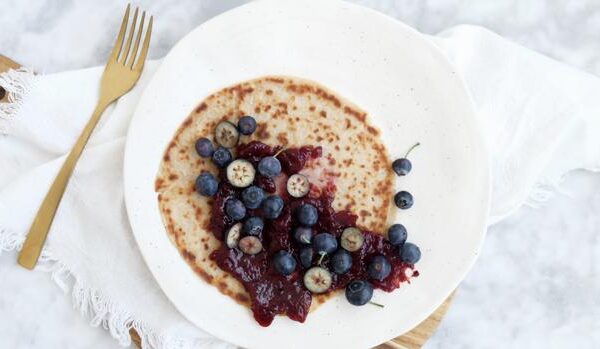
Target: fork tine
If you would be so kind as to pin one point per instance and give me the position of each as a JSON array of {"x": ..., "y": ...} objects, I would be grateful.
[
  {"x": 142, "y": 58},
  {"x": 127, "y": 46},
  {"x": 119, "y": 43},
  {"x": 137, "y": 42}
]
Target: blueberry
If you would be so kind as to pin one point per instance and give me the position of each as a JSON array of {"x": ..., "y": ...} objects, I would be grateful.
[
  {"x": 272, "y": 206},
  {"x": 226, "y": 134},
  {"x": 235, "y": 209},
  {"x": 402, "y": 166},
  {"x": 222, "y": 157},
  {"x": 352, "y": 239},
  {"x": 284, "y": 263},
  {"x": 410, "y": 253},
  {"x": 298, "y": 185},
  {"x": 340, "y": 261},
  {"x": 325, "y": 243},
  {"x": 359, "y": 292},
  {"x": 207, "y": 184},
  {"x": 204, "y": 147},
  {"x": 317, "y": 280},
  {"x": 250, "y": 245},
  {"x": 269, "y": 166},
  {"x": 303, "y": 235},
  {"x": 247, "y": 125},
  {"x": 403, "y": 199},
  {"x": 240, "y": 173},
  {"x": 379, "y": 268},
  {"x": 232, "y": 236},
  {"x": 253, "y": 196},
  {"x": 307, "y": 215},
  {"x": 253, "y": 226},
  {"x": 306, "y": 256},
  {"x": 397, "y": 234}
]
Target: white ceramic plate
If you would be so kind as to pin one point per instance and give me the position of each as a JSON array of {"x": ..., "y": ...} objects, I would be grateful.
[{"x": 411, "y": 93}]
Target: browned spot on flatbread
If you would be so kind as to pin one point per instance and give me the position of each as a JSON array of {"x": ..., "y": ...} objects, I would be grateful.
[
  {"x": 189, "y": 256},
  {"x": 321, "y": 298},
  {"x": 172, "y": 145},
  {"x": 261, "y": 131},
  {"x": 330, "y": 97},
  {"x": 246, "y": 91},
  {"x": 348, "y": 123},
  {"x": 242, "y": 297},
  {"x": 282, "y": 138},
  {"x": 240, "y": 90},
  {"x": 173, "y": 177},
  {"x": 358, "y": 115},
  {"x": 372, "y": 130},
  {"x": 158, "y": 185},
  {"x": 206, "y": 276},
  {"x": 312, "y": 108},
  {"x": 299, "y": 88},
  {"x": 200, "y": 108},
  {"x": 269, "y": 92}
]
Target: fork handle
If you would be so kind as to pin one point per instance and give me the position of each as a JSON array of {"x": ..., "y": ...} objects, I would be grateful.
[{"x": 43, "y": 220}]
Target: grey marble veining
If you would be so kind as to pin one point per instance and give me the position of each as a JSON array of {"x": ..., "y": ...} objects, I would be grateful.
[{"x": 537, "y": 282}]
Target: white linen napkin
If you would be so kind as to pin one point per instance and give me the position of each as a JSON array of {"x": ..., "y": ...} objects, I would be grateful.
[{"x": 540, "y": 119}]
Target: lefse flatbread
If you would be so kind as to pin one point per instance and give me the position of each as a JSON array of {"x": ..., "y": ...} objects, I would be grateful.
[{"x": 290, "y": 112}]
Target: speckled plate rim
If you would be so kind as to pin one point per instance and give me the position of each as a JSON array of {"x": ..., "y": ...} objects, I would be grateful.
[{"x": 384, "y": 67}]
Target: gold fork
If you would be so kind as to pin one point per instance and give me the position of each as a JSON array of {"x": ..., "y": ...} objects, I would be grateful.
[{"x": 121, "y": 73}]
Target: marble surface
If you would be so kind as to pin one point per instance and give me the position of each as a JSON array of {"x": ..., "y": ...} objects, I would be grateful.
[{"x": 537, "y": 281}]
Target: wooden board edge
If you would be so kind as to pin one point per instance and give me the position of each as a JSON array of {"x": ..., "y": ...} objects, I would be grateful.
[
  {"x": 416, "y": 338},
  {"x": 5, "y": 65}
]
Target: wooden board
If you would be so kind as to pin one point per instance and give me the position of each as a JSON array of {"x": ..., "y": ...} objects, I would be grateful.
[
  {"x": 6, "y": 64},
  {"x": 417, "y": 337},
  {"x": 414, "y": 339}
]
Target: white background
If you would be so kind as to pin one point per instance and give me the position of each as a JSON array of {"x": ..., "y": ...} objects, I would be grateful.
[{"x": 537, "y": 282}]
